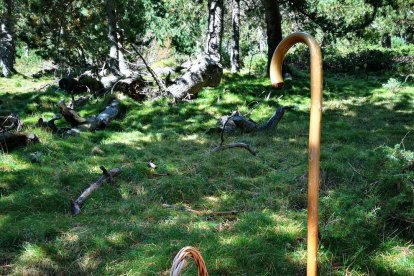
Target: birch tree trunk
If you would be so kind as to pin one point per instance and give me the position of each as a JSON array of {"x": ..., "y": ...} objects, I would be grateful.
[
  {"x": 112, "y": 38},
  {"x": 7, "y": 44},
  {"x": 235, "y": 49},
  {"x": 207, "y": 69},
  {"x": 215, "y": 28},
  {"x": 273, "y": 27}
]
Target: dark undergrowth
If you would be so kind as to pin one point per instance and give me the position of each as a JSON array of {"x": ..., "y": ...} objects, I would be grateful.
[{"x": 366, "y": 189}]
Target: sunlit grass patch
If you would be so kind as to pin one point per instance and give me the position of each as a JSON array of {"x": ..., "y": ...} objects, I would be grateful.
[{"x": 395, "y": 258}]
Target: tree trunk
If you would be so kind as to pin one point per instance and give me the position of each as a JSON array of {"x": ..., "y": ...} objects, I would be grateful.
[
  {"x": 274, "y": 28},
  {"x": 123, "y": 66},
  {"x": 112, "y": 38},
  {"x": 7, "y": 53},
  {"x": 235, "y": 49},
  {"x": 206, "y": 70},
  {"x": 215, "y": 29},
  {"x": 386, "y": 41}
]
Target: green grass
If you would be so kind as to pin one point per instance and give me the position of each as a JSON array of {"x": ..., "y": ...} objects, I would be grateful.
[{"x": 123, "y": 229}]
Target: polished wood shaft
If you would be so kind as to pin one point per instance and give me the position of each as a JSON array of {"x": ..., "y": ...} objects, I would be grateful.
[{"x": 314, "y": 131}]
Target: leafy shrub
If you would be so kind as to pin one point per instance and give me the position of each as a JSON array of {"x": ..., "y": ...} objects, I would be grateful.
[
  {"x": 399, "y": 60},
  {"x": 392, "y": 85},
  {"x": 395, "y": 185},
  {"x": 256, "y": 63}
]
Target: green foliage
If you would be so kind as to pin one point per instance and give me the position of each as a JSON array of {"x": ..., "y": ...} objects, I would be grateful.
[
  {"x": 393, "y": 85},
  {"x": 394, "y": 186},
  {"x": 366, "y": 59},
  {"x": 256, "y": 64},
  {"x": 78, "y": 36}
]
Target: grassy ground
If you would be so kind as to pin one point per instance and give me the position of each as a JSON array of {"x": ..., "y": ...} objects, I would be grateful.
[{"x": 123, "y": 229}]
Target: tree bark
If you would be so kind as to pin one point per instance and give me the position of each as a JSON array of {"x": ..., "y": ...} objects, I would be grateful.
[
  {"x": 215, "y": 29},
  {"x": 273, "y": 27},
  {"x": 207, "y": 69},
  {"x": 386, "y": 41},
  {"x": 112, "y": 38},
  {"x": 92, "y": 123},
  {"x": 123, "y": 66},
  {"x": 7, "y": 44},
  {"x": 235, "y": 48}
]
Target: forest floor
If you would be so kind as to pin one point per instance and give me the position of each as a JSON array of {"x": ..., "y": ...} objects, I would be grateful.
[{"x": 124, "y": 229}]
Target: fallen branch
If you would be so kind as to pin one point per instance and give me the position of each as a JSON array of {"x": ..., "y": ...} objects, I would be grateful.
[
  {"x": 106, "y": 177},
  {"x": 105, "y": 117},
  {"x": 234, "y": 145},
  {"x": 200, "y": 213},
  {"x": 159, "y": 82},
  {"x": 10, "y": 123},
  {"x": 159, "y": 174},
  {"x": 236, "y": 121},
  {"x": 70, "y": 115}
]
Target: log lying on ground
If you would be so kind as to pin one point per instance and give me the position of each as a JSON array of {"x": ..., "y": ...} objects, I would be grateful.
[
  {"x": 92, "y": 123},
  {"x": 70, "y": 115},
  {"x": 106, "y": 177},
  {"x": 205, "y": 71},
  {"x": 105, "y": 117},
  {"x": 200, "y": 213},
  {"x": 11, "y": 136},
  {"x": 10, "y": 141},
  {"x": 78, "y": 123}
]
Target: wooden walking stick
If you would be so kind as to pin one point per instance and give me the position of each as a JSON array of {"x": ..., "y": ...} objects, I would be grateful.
[{"x": 314, "y": 131}]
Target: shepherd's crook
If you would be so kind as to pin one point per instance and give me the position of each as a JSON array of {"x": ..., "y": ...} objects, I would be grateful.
[{"x": 314, "y": 131}]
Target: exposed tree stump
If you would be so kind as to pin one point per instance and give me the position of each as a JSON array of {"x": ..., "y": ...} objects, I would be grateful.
[
  {"x": 10, "y": 141},
  {"x": 11, "y": 136},
  {"x": 90, "y": 82},
  {"x": 72, "y": 86}
]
